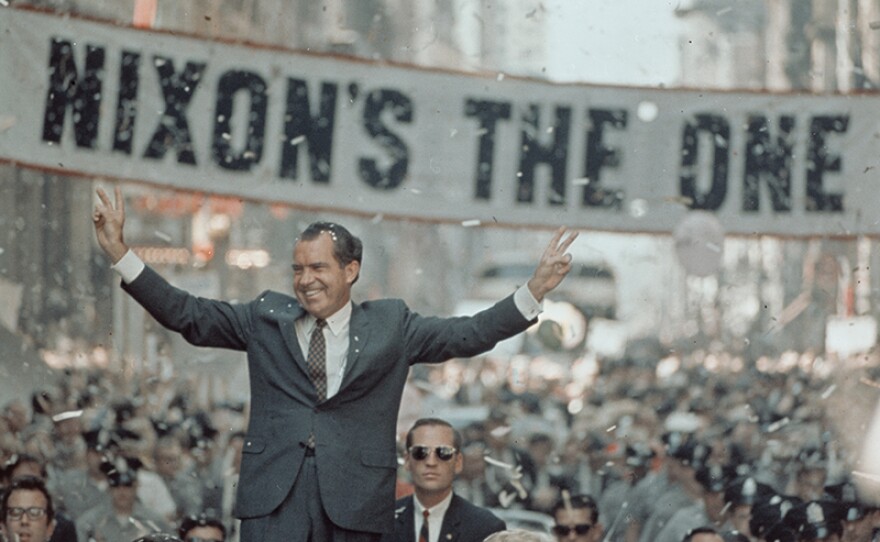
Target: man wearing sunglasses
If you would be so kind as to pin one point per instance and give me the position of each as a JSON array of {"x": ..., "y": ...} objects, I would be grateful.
[
  {"x": 326, "y": 375},
  {"x": 435, "y": 513},
  {"x": 576, "y": 519},
  {"x": 27, "y": 513}
]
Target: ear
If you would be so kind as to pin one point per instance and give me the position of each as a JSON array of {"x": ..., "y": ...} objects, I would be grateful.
[
  {"x": 459, "y": 463},
  {"x": 351, "y": 271},
  {"x": 51, "y": 529}
]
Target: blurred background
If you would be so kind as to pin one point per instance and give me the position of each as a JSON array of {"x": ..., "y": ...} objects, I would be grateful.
[{"x": 647, "y": 325}]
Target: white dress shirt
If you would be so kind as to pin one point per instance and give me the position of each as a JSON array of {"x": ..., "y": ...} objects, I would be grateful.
[{"x": 435, "y": 517}]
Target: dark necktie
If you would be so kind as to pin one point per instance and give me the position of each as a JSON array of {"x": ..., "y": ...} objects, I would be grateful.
[
  {"x": 423, "y": 533},
  {"x": 317, "y": 360}
]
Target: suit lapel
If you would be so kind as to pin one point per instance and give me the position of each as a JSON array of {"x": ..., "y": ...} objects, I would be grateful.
[
  {"x": 287, "y": 325},
  {"x": 449, "y": 530},
  {"x": 406, "y": 523},
  {"x": 358, "y": 331}
]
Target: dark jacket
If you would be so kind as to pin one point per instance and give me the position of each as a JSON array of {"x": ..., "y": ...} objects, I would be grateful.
[
  {"x": 355, "y": 429},
  {"x": 463, "y": 522}
]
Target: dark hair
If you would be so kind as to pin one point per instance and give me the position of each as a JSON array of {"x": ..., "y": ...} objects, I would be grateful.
[
  {"x": 202, "y": 520},
  {"x": 346, "y": 247},
  {"x": 580, "y": 502},
  {"x": 27, "y": 483},
  {"x": 158, "y": 537},
  {"x": 19, "y": 459},
  {"x": 456, "y": 436},
  {"x": 699, "y": 530}
]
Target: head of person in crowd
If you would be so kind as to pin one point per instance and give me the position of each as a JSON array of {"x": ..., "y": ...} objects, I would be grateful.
[
  {"x": 123, "y": 482},
  {"x": 860, "y": 516},
  {"x": 16, "y": 415},
  {"x": 714, "y": 478},
  {"x": 739, "y": 498},
  {"x": 157, "y": 537},
  {"x": 541, "y": 448},
  {"x": 98, "y": 443},
  {"x": 433, "y": 459},
  {"x": 20, "y": 465},
  {"x": 168, "y": 457},
  {"x": 27, "y": 512},
  {"x": 497, "y": 431},
  {"x": 768, "y": 516},
  {"x": 703, "y": 534},
  {"x": 638, "y": 459},
  {"x": 811, "y": 475},
  {"x": 474, "y": 467},
  {"x": 202, "y": 528},
  {"x": 685, "y": 460},
  {"x": 816, "y": 520},
  {"x": 576, "y": 519}
]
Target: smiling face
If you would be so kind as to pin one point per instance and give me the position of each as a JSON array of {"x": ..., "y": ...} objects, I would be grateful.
[
  {"x": 25, "y": 529},
  {"x": 432, "y": 476},
  {"x": 321, "y": 284}
]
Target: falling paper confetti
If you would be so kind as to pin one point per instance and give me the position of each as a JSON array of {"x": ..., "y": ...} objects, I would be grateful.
[
  {"x": 470, "y": 223},
  {"x": 6, "y": 122}
]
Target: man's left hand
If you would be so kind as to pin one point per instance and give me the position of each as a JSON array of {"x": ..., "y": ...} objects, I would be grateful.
[{"x": 554, "y": 265}]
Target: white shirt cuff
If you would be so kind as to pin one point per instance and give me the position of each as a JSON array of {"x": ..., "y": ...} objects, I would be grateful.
[
  {"x": 128, "y": 267},
  {"x": 526, "y": 302}
]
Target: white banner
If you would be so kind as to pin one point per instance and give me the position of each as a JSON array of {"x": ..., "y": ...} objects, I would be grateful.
[{"x": 89, "y": 99}]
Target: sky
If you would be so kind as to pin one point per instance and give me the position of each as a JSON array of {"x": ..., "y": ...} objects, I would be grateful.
[{"x": 630, "y": 42}]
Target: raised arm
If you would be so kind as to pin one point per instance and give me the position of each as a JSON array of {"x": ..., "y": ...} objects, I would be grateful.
[
  {"x": 109, "y": 221},
  {"x": 554, "y": 265}
]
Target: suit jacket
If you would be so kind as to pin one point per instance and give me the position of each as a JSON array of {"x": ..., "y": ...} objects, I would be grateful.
[
  {"x": 463, "y": 522},
  {"x": 355, "y": 429}
]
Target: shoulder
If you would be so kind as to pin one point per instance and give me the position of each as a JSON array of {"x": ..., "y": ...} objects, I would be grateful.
[
  {"x": 378, "y": 305},
  {"x": 472, "y": 512},
  {"x": 270, "y": 301}
]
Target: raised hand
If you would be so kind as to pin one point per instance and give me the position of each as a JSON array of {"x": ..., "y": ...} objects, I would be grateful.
[
  {"x": 109, "y": 221},
  {"x": 554, "y": 265}
]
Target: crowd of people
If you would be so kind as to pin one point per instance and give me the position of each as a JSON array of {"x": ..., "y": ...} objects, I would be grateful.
[{"x": 747, "y": 455}]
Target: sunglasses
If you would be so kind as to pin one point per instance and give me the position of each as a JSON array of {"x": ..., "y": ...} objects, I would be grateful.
[
  {"x": 565, "y": 530},
  {"x": 34, "y": 512},
  {"x": 420, "y": 453}
]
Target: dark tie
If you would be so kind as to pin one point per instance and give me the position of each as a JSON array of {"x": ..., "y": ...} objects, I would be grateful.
[
  {"x": 423, "y": 533},
  {"x": 317, "y": 360}
]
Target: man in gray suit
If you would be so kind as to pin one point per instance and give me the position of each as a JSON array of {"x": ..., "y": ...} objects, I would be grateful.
[{"x": 326, "y": 375}]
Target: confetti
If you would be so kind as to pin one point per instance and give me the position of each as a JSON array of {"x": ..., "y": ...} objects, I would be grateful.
[
  {"x": 8, "y": 121},
  {"x": 162, "y": 235},
  {"x": 297, "y": 140},
  {"x": 500, "y": 77},
  {"x": 470, "y": 223},
  {"x": 583, "y": 181},
  {"x": 497, "y": 463},
  {"x": 68, "y": 415},
  {"x": 827, "y": 393}
]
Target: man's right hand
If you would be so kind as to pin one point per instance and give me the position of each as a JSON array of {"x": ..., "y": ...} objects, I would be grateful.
[{"x": 109, "y": 221}]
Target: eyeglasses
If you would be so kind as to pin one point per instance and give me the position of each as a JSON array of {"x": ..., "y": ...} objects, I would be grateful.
[
  {"x": 420, "y": 453},
  {"x": 564, "y": 530},
  {"x": 34, "y": 512}
]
